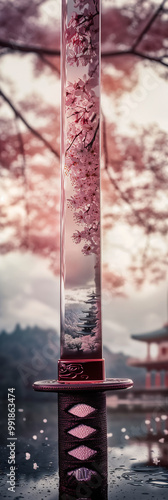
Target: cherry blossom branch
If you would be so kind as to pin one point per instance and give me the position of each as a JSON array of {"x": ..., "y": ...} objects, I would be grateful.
[
  {"x": 132, "y": 50},
  {"x": 93, "y": 71},
  {"x": 20, "y": 139},
  {"x": 39, "y": 52},
  {"x": 19, "y": 115},
  {"x": 21, "y": 47},
  {"x": 56, "y": 53},
  {"x": 149, "y": 58},
  {"x": 90, "y": 144},
  {"x": 105, "y": 141},
  {"x": 134, "y": 53},
  {"x": 17, "y": 46},
  {"x": 126, "y": 199},
  {"x": 73, "y": 141},
  {"x": 148, "y": 25},
  {"x": 49, "y": 63},
  {"x": 86, "y": 18},
  {"x": 95, "y": 6}
]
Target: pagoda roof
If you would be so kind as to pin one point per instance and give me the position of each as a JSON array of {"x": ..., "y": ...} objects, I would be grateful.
[
  {"x": 149, "y": 364},
  {"x": 154, "y": 336}
]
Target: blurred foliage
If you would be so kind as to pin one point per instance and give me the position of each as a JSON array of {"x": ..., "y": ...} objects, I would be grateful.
[{"x": 134, "y": 168}]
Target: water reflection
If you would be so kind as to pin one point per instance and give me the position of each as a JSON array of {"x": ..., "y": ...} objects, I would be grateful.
[{"x": 155, "y": 440}]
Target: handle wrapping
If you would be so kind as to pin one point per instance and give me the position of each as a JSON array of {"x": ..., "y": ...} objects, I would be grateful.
[{"x": 82, "y": 445}]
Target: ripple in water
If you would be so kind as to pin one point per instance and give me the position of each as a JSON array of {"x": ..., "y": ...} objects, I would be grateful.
[
  {"x": 159, "y": 480},
  {"x": 159, "y": 477}
]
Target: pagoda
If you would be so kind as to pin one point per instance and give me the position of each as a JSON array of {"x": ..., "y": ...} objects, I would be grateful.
[{"x": 159, "y": 364}]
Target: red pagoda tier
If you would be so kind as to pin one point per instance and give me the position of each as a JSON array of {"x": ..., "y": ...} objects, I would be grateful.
[{"x": 159, "y": 364}]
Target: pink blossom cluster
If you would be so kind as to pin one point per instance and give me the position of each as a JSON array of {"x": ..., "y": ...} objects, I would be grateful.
[
  {"x": 82, "y": 126},
  {"x": 82, "y": 34},
  {"x": 82, "y": 162}
]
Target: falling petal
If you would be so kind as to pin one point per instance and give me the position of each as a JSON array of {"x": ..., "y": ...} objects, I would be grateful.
[{"x": 35, "y": 466}]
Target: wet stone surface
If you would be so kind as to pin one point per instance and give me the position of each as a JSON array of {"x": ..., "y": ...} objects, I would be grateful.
[{"x": 137, "y": 454}]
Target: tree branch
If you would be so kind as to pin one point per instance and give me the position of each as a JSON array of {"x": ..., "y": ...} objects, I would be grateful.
[
  {"x": 93, "y": 138},
  {"x": 32, "y": 129},
  {"x": 134, "y": 53},
  {"x": 49, "y": 63},
  {"x": 41, "y": 51},
  {"x": 148, "y": 25},
  {"x": 149, "y": 58},
  {"x": 73, "y": 141},
  {"x": 105, "y": 142},
  {"x": 16, "y": 46},
  {"x": 20, "y": 139},
  {"x": 41, "y": 56},
  {"x": 125, "y": 198}
]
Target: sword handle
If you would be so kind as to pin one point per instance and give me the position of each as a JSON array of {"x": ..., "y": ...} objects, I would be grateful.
[{"x": 82, "y": 427}]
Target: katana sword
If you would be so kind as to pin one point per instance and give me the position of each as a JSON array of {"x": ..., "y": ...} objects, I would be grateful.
[
  {"x": 81, "y": 364},
  {"x": 81, "y": 370}
]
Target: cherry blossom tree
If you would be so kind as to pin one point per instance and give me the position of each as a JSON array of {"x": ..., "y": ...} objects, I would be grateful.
[{"x": 132, "y": 35}]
